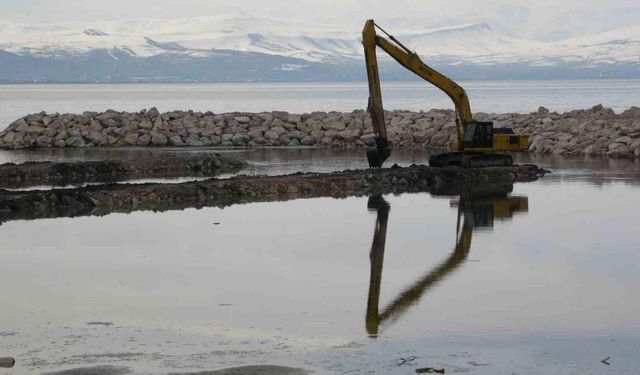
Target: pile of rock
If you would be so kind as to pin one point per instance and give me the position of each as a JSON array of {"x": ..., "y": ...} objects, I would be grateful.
[
  {"x": 184, "y": 164},
  {"x": 595, "y": 131},
  {"x": 221, "y": 192}
]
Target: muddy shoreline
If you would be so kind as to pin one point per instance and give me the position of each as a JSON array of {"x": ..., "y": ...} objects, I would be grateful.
[
  {"x": 125, "y": 198},
  {"x": 109, "y": 171}
]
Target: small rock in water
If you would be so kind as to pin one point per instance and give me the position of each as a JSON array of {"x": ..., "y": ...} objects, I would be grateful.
[
  {"x": 158, "y": 139},
  {"x": 176, "y": 140},
  {"x": 240, "y": 139}
]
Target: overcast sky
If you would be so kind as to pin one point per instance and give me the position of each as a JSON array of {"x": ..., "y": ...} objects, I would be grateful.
[{"x": 536, "y": 19}]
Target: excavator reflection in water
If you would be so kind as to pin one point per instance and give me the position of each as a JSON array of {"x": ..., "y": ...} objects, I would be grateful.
[{"x": 477, "y": 208}]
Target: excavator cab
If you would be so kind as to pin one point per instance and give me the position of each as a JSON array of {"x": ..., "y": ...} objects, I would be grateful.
[
  {"x": 478, "y": 134},
  {"x": 482, "y": 136}
]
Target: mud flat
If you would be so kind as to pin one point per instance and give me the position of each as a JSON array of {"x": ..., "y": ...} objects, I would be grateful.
[
  {"x": 105, "y": 199},
  {"x": 81, "y": 172},
  {"x": 594, "y": 131}
]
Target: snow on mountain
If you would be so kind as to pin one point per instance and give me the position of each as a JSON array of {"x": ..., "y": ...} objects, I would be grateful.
[
  {"x": 619, "y": 45},
  {"x": 206, "y": 35},
  {"x": 478, "y": 43},
  {"x": 194, "y": 35},
  {"x": 63, "y": 39}
]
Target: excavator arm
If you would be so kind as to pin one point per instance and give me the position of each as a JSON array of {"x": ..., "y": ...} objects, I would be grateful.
[{"x": 411, "y": 61}]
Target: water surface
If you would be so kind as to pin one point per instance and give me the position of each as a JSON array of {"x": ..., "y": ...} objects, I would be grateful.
[
  {"x": 539, "y": 280},
  {"x": 485, "y": 96}
]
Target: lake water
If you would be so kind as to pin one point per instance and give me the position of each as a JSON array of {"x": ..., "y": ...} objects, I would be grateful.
[
  {"x": 485, "y": 96},
  {"x": 542, "y": 280},
  {"x": 537, "y": 278}
]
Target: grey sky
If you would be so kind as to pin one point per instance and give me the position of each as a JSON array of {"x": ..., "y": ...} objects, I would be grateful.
[{"x": 536, "y": 19}]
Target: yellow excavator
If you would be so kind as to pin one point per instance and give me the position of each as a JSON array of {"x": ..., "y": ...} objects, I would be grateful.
[
  {"x": 477, "y": 208},
  {"x": 478, "y": 143}
]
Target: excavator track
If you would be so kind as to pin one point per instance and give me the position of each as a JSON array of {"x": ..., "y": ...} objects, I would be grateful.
[{"x": 471, "y": 160}]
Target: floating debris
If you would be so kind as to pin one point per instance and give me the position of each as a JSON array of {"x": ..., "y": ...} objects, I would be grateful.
[
  {"x": 7, "y": 362},
  {"x": 429, "y": 370},
  {"x": 404, "y": 361}
]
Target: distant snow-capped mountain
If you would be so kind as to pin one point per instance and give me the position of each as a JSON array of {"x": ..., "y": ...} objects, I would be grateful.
[
  {"x": 200, "y": 35},
  {"x": 287, "y": 46}
]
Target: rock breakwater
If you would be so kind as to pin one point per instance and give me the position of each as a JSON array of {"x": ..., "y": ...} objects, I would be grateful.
[{"x": 596, "y": 131}]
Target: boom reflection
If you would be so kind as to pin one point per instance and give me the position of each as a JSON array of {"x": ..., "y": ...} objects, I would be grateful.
[{"x": 476, "y": 207}]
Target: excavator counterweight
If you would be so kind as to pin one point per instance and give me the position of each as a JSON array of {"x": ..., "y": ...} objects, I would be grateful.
[{"x": 478, "y": 143}]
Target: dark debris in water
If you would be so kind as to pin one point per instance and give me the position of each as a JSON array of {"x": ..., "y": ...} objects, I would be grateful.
[
  {"x": 429, "y": 370},
  {"x": 7, "y": 362},
  {"x": 404, "y": 361},
  {"x": 94, "y": 370},
  {"x": 100, "y": 324}
]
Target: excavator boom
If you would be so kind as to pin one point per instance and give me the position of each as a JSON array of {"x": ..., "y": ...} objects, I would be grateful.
[{"x": 471, "y": 136}]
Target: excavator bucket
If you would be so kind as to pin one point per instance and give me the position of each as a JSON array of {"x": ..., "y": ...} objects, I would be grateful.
[{"x": 376, "y": 156}]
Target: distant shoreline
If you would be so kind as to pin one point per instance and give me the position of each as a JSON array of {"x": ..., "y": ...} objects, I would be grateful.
[{"x": 329, "y": 82}]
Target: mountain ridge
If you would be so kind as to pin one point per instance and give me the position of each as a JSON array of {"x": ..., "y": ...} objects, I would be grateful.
[{"x": 318, "y": 47}]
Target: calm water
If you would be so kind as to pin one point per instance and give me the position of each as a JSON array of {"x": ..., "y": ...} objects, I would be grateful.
[
  {"x": 486, "y": 96},
  {"x": 541, "y": 280}
]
